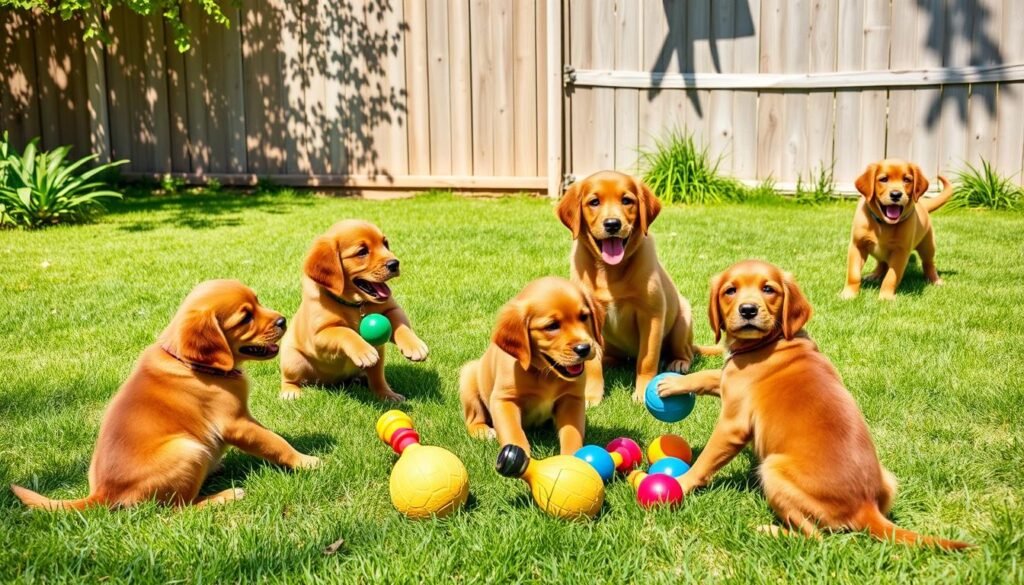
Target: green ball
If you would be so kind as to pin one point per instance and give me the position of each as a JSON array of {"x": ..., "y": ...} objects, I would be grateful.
[{"x": 375, "y": 329}]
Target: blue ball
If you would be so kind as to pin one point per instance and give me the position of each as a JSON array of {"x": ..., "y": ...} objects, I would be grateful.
[
  {"x": 599, "y": 459},
  {"x": 671, "y": 409},
  {"x": 673, "y": 466}
]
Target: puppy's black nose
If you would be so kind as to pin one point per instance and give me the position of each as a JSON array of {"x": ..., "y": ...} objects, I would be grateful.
[
  {"x": 748, "y": 310},
  {"x": 612, "y": 226},
  {"x": 895, "y": 195},
  {"x": 392, "y": 265},
  {"x": 582, "y": 349},
  {"x": 281, "y": 322}
]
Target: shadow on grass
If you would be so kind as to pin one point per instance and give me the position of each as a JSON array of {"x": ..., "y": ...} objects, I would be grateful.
[
  {"x": 45, "y": 481},
  {"x": 913, "y": 284},
  {"x": 237, "y": 465},
  {"x": 413, "y": 381},
  {"x": 198, "y": 211}
]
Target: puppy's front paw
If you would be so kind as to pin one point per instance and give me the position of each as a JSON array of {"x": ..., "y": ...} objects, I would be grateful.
[
  {"x": 365, "y": 356},
  {"x": 390, "y": 396},
  {"x": 307, "y": 462},
  {"x": 887, "y": 296},
  {"x": 594, "y": 400},
  {"x": 688, "y": 482},
  {"x": 290, "y": 394},
  {"x": 678, "y": 366},
  {"x": 847, "y": 294},
  {"x": 673, "y": 385},
  {"x": 483, "y": 432},
  {"x": 413, "y": 349}
]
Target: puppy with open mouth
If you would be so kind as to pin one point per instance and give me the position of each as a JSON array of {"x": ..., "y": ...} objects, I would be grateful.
[
  {"x": 534, "y": 369},
  {"x": 345, "y": 277}
]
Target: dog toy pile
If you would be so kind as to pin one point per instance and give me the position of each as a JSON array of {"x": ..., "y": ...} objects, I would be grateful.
[
  {"x": 564, "y": 486},
  {"x": 426, "y": 481},
  {"x": 620, "y": 455},
  {"x": 671, "y": 408},
  {"x": 656, "y": 489}
]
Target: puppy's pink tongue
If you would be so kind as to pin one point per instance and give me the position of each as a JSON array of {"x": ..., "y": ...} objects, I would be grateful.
[
  {"x": 383, "y": 291},
  {"x": 612, "y": 250},
  {"x": 575, "y": 369},
  {"x": 892, "y": 211}
]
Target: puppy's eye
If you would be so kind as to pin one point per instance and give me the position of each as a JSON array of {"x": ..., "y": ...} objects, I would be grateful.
[
  {"x": 584, "y": 317},
  {"x": 883, "y": 179},
  {"x": 594, "y": 202},
  {"x": 628, "y": 201},
  {"x": 362, "y": 251},
  {"x": 552, "y": 326},
  {"x": 730, "y": 291},
  {"x": 246, "y": 318},
  {"x": 768, "y": 289},
  {"x": 906, "y": 179}
]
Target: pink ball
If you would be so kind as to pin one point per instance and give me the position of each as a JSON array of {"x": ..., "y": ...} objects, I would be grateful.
[{"x": 657, "y": 489}]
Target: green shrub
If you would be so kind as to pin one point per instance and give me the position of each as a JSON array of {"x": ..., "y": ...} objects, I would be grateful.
[
  {"x": 171, "y": 185},
  {"x": 42, "y": 188},
  {"x": 764, "y": 190},
  {"x": 820, "y": 189},
  {"x": 679, "y": 171},
  {"x": 984, "y": 187}
]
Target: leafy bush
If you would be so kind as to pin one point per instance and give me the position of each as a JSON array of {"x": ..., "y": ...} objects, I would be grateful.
[
  {"x": 679, "y": 171},
  {"x": 984, "y": 187},
  {"x": 820, "y": 189},
  {"x": 43, "y": 188}
]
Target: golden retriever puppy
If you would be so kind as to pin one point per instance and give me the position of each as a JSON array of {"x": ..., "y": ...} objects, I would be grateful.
[
  {"x": 892, "y": 221},
  {"x": 345, "y": 277},
  {"x": 614, "y": 259},
  {"x": 533, "y": 370},
  {"x": 167, "y": 427},
  {"x": 819, "y": 468}
]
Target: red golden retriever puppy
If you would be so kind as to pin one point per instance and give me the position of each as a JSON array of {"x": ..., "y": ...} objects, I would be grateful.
[
  {"x": 345, "y": 276},
  {"x": 819, "y": 468},
  {"x": 891, "y": 221},
  {"x": 533, "y": 370},
  {"x": 167, "y": 427},
  {"x": 613, "y": 258}
]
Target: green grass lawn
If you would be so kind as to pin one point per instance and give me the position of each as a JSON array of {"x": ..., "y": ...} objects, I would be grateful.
[{"x": 937, "y": 372}]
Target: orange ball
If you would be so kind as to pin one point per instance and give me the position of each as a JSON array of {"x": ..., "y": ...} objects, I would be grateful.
[{"x": 669, "y": 446}]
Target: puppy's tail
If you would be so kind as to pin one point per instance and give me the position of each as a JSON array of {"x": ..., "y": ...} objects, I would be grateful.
[
  {"x": 41, "y": 502},
  {"x": 882, "y": 528},
  {"x": 932, "y": 203},
  {"x": 708, "y": 350}
]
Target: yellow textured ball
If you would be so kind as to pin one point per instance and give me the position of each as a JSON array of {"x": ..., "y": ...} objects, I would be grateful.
[
  {"x": 428, "y": 481},
  {"x": 566, "y": 487}
]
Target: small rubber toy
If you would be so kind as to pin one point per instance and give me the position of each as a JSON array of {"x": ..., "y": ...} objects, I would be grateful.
[
  {"x": 673, "y": 466},
  {"x": 375, "y": 329},
  {"x": 671, "y": 408},
  {"x": 656, "y": 489},
  {"x": 563, "y": 486},
  {"x": 620, "y": 455},
  {"x": 426, "y": 481},
  {"x": 669, "y": 446}
]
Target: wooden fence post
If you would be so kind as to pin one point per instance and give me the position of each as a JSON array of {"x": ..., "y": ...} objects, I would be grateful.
[{"x": 555, "y": 113}]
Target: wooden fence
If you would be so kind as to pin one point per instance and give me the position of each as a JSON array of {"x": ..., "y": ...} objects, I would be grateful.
[{"x": 470, "y": 94}]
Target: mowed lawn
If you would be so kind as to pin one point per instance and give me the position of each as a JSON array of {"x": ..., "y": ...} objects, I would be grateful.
[{"x": 938, "y": 374}]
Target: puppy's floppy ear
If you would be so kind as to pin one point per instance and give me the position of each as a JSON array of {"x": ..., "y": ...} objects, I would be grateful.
[
  {"x": 865, "y": 183},
  {"x": 650, "y": 207},
  {"x": 714, "y": 311},
  {"x": 512, "y": 333},
  {"x": 597, "y": 315},
  {"x": 323, "y": 265},
  {"x": 569, "y": 208},
  {"x": 795, "y": 308},
  {"x": 920, "y": 181},
  {"x": 195, "y": 336}
]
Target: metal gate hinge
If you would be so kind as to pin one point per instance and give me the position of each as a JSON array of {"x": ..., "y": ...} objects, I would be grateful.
[{"x": 569, "y": 75}]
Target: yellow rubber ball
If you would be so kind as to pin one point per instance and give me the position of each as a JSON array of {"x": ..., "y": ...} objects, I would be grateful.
[
  {"x": 568, "y": 488},
  {"x": 428, "y": 481}
]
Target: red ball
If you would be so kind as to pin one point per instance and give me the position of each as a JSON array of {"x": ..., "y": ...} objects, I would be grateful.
[{"x": 659, "y": 489}]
